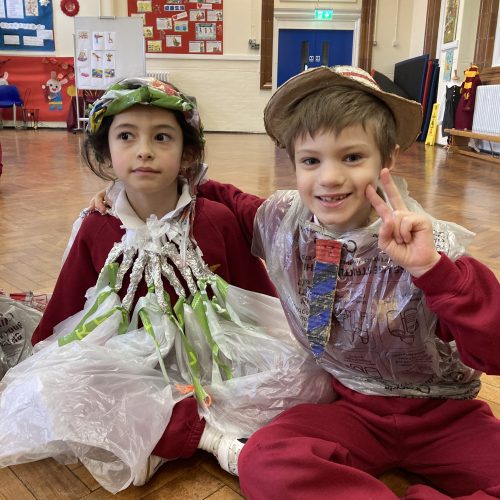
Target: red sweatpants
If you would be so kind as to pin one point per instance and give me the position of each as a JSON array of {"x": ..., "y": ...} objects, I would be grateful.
[
  {"x": 336, "y": 450},
  {"x": 183, "y": 433}
]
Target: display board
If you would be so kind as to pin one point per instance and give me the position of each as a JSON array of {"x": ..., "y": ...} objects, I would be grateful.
[
  {"x": 180, "y": 26},
  {"x": 107, "y": 50},
  {"x": 46, "y": 85},
  {"x": 26, "y": 25}
]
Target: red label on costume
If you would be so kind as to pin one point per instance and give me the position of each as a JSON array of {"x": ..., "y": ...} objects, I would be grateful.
[{"x": 328, "y": 251}]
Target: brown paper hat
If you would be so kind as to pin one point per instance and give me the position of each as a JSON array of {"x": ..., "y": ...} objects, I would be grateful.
[{"x": 408, "y": 114}]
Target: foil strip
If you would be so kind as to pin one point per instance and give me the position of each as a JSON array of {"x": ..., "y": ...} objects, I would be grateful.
[
  {"x": 115, "y": 252},
  {"x": 126, "y": 264},
  {"x": 169, "y": 273},
  {"x": 135, "y": 278},
  {"x": 154, "y": 267}
]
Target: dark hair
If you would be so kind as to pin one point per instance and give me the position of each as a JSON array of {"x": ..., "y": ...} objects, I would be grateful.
[
  {"x": 95, "y": 150},
  {"x": 333, "y": 109}
]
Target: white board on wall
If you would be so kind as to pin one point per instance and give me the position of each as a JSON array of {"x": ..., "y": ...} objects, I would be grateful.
[{"x": 107, "y": 50}]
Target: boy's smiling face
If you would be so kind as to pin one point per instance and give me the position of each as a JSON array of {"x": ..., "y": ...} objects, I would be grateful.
[{"x": 333, "y": 172}]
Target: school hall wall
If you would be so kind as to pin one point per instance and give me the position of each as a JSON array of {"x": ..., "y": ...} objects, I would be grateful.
[{"x": 227, "y": 87}]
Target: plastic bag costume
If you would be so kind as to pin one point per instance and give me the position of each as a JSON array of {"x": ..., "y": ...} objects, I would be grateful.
[
  {"x": 101, "y": 389},
  {"x": 381, "y": 336}
]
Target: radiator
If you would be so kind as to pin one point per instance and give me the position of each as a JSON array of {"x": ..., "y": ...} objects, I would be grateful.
[
  {"x": 159, "y": 75},
  {"x": 487, "y": 110}
]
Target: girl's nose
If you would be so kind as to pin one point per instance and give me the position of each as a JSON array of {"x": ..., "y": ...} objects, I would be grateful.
[{"x": 145, "y": 152}]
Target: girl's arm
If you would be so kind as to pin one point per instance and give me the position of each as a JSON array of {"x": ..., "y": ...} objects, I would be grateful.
[{"x": 77, "y": 275}]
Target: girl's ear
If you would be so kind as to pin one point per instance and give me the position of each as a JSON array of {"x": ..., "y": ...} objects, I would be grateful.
[
  {"x": 187, "y": 157},
  {"x": 391, "y": 162}
]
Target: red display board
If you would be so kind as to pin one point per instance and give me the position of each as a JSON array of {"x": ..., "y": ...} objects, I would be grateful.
[
  {"x": 46, "y": 84},
  {"x": 180, "y": 26}
]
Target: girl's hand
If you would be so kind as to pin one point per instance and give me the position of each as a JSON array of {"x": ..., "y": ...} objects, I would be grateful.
[
  {"x": 99, "y": 203},
  {"x": 405, "y": 236}
]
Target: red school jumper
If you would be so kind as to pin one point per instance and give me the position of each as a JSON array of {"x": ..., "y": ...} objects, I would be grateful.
[
  {"x": 225, "y": 250},
  {"x": 337, "y": 450}
]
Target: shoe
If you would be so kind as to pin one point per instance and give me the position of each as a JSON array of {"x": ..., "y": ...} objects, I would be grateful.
[
  {"x": 149, "y": 470},
  {"x": 226, "y": 448},
  {"x": 228, "y": 453}
]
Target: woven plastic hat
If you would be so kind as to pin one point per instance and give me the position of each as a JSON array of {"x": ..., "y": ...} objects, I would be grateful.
[
  {"x": 407, "y": 114},
  {"x": 148, "y": 91}
]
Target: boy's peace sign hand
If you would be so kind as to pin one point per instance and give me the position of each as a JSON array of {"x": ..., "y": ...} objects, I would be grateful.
[{"x": 405, "y": 236}]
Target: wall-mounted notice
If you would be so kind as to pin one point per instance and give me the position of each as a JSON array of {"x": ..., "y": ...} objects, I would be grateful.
[
  {"x": 180, "y": 26},
  {"x": 107, "y": 50},
  {"x": 26, "y": 25}
]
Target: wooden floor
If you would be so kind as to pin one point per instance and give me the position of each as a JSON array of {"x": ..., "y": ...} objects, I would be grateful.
[{"x": 43, "y": 188}]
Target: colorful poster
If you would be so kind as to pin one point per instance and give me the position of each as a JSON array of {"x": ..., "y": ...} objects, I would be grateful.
[
  {"x": 180, "y": 26},
  {"x": 448, "y": 65},
  {"x": 46, "y": 84},
  {"x": 28, "y": 28}
]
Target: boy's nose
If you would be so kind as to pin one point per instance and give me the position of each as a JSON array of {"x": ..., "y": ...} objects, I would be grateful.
[{"x": 331, "y": 174}]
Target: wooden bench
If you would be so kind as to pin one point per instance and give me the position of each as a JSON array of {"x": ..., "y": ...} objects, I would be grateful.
[{"x": 460, "y": 141}]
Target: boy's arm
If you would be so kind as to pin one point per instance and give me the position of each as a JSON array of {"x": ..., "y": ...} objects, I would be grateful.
[
  {"x": 465, "y": 295},
  {"x": 243, "y": 205}
]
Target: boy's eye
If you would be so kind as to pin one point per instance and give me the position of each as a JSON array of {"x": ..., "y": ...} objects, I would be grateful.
[
  {"x": 309, "y": 161},
  {"x": 353, "y": 157}
]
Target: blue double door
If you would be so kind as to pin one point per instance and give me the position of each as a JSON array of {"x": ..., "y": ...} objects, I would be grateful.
[{"x": 300, "y": 49}]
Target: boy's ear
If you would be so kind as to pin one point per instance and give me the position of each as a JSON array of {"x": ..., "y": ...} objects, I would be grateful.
[{"x": 391, "y": 162}]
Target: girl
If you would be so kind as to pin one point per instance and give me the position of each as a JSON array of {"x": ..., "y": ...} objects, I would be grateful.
[{"x": 152, "y": 261}]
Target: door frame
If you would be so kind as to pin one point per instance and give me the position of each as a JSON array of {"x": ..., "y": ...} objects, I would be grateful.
[{"x": 304, "y": 20}]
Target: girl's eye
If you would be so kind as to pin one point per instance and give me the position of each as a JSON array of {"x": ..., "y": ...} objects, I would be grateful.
[
  {"x": 162, "y": 137},
  {"x": 352, "y": 158},
  {"x": 124, "y": 136}
]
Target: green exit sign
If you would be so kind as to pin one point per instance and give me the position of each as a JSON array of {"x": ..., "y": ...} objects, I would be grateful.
[{"x": 323, "y": 15}]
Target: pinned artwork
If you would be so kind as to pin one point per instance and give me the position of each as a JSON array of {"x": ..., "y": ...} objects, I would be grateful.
[{"x": 181, "y": 26}]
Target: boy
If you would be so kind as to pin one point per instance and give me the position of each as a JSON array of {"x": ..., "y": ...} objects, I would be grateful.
[{"x": 384, "y": 297}]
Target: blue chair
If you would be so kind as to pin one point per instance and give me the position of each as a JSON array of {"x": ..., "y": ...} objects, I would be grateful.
[{"x": 9, "y": 97}]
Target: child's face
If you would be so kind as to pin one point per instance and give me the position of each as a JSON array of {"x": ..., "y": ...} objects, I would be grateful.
[
  {"x": 333, "y": 172},
  {"x": 146, "y": 145}
]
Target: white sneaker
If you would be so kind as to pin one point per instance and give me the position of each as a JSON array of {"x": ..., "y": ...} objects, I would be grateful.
[
  {"x": 228, "y": 454},
  {"x": 149, "y": 470},
  {"x": 225, "y": 448}
]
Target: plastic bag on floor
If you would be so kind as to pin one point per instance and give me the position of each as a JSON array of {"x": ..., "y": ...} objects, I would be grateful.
[
  {"x": 91, "y": 394},
  {"x": 260, "y": 369},
  {"x": 86, "y": 401},
  {"x": 18, "y": 320}
]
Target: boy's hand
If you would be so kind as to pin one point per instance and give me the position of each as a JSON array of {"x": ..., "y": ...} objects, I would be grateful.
[
  {"x": 405, "y": 236},
  {"x": 98, "y": 202}
]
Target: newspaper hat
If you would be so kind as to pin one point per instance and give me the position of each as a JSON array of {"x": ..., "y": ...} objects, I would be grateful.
[
  {"x": 407, "y": 114},
  {"x": 144, "y": 90}
]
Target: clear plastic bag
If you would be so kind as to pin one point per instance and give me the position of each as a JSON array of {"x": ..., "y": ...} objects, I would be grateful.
[
  {"x": 270, "y": 370},
  {"x": 99, "y": 399},
  {"x": 17, "y": 324},
  {"x": 101, "y": 390},
  {"x": 88, "y": 402}
]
